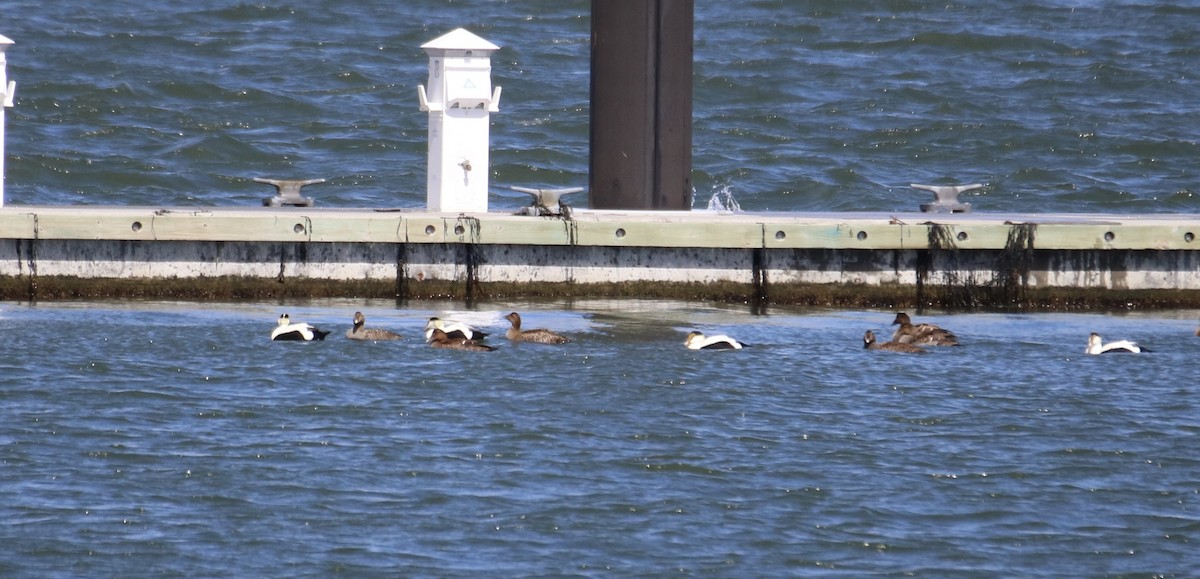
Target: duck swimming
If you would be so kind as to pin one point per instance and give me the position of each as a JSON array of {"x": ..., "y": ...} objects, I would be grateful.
[
  {"x": 358, "y": 332},
  {"x": 921, "y": 334},
  {"x": 538, "y": 336},
  {"x": 1096, "y": 346},
  {"x": 454, "y": 330},
  {"x": 893, "y": 346},
  {"x": 439, "y": 339},
  {"x": 297, "y": 332},
  {"x": 698, "y": 341}
]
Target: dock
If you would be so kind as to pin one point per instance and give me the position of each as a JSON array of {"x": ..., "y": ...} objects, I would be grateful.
[
  {"x": 950, "y": 260},
  {"x": 636, "y": 236}
]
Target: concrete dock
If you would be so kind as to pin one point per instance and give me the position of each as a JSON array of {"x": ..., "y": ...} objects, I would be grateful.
[
  {"x": 876, "y": 259},
  {"x": 290, "y": 248}
]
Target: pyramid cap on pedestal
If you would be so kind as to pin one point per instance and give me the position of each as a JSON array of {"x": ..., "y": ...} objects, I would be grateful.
[{"x": 458, "y": 42}]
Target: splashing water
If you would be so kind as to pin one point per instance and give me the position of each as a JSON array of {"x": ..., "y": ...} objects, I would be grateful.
[{"x": 723, "y": 200}]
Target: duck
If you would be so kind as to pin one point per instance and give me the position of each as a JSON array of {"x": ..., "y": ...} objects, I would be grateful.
[
  {"x": 870, "y": 343},
  {"x": 698, "y": 341},
  {"x": 1096, "y": 346},
  {"x": 296, "y": 332},
  {"x": 454, "y": 330},
  {"x": 921, "y": 334},
  {"x": 358, "y": 332},
  {"x": 440, "y": 339},
  {"x": 538, "y": 336}
]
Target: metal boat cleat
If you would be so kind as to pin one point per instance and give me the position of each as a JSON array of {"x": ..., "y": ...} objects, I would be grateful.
[
  {"x": 547, "y": 201},
  {"x": 288, "y": 192},
  {"x": 946, "y": 198}
]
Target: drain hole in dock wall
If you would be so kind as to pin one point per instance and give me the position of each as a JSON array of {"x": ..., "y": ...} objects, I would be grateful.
[
  {"x": 1109, "y": 236},
  {"x": 458, "y": 229},
  {"x": 962, "y": 236},
  {"x": 780, "y": 235},
  {"x": 620, "y": 233},
  {"x": 430, "y": 230},
  {"x": 137, "y": 226},
  {"x": 299, "y": 228},
  {"x": 862, "y": 235},
  {"x": 1188, "y": 237}
]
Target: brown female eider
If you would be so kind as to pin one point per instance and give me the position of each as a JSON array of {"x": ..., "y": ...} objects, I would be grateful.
[
  {"x": 538, "y": 336},
  {"x": 921, "y": 334},
  {"x": 870, "y": 344},
  {"x": 439, "y": 339},
  {"x": 358, "y": 332}
]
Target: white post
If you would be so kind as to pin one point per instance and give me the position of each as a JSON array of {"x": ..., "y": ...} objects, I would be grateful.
[
  {"x": 459, "y": 102},
  {"x": 6, "y": 100}
]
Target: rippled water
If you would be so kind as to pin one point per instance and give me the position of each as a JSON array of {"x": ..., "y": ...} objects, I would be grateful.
[
  {"x": 172, "y": 438},
  {"x": 175, "y": 438},
  {"x": 799, "y": 105}
]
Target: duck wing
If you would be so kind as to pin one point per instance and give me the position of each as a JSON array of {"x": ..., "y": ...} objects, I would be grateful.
[
  {"x": 720, "y": 342},
  {"x": 373, "y": 335},
  {"x": 900, "y": 347},
  {"x": 298, "y": 332},
  {"x": 540, "y": 336},
  {"x": 1122, "y": 347},
  {"x": 926, "y": 334}
]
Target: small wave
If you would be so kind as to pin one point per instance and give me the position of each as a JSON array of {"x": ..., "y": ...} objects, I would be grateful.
[{"x": 723, "y": 201}]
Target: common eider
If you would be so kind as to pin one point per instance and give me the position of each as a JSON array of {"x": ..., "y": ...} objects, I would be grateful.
[
  {"x": 698, "y": 341},
  {"x": 538, "y": 336},
  {"x": 358, "y": 332},
  {"x": 439, "y": 339},
  {"x": 1096, "y": 346},
  {"x": 921, "y": 334},
  {"x": 454, "y": 330},
  {"x": 297, "y": 332},
  {"x": 870, "y": 344}
]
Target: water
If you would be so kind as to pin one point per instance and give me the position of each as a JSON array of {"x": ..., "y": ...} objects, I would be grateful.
[
  {"x": 147, "y": 438},
  {"x": 175, "y": 438},
  {"x": 799, "y": 105}
]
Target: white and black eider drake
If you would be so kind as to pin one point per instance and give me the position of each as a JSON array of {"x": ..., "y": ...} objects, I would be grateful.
[
  {"x": 1096, "y": 346},
  {"x": 359, "y": 332},
  {"x": 698, "y": 341},
  {"x": 453, "y": 330},
  {"x": 297, "y": 332}
]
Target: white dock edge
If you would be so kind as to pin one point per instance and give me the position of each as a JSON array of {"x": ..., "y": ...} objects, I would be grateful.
[{"x": 1081, "y": 251}]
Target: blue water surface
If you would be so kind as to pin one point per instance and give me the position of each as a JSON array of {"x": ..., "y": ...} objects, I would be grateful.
[
  {"x": 175, "y": 438},
  {"x": 811, "y": 105}
]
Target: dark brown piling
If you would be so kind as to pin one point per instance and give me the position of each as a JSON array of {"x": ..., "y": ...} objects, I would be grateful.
[{"x": 641, "y": 104}]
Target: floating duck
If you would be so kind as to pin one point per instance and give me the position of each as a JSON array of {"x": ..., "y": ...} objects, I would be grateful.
[
  {"x": 439, "y": 339},
  {"x": 698, "y": 341},
  {"x": 1096, "y": 346},
  {"x": 297, "y": 332},
  {"x": 870, "y": 344},
  {"x": 358, "y": 332},
  {"x": 921, "y": 334},
  {"x": 538, "y": 336},
  {"x": 455, "y": 330}
]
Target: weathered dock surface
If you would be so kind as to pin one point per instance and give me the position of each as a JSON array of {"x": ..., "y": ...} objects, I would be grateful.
[{"x": 938, "y": 259}]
